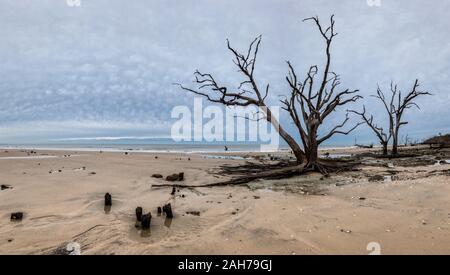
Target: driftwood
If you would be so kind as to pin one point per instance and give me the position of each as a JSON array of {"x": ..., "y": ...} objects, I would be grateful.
[{"x": 17, "y": 216}]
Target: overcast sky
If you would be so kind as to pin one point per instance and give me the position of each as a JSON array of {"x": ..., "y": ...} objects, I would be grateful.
[{"x": 106, "y": 68}]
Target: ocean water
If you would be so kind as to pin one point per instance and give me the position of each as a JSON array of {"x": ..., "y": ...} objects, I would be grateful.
[{"x": 150, "y": 145}]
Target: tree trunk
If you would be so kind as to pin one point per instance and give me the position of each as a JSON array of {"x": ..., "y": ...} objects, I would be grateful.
[
  {"x": 313, "y": 153},
  {"x": 296, "y": 149},
  {"x": 395, "y": 144},
  {"x": 385, "y": 150}
]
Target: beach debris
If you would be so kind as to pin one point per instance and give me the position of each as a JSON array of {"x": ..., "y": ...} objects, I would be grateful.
[
  {"x": 126, "y": 153},
  {"x": 17, "y": 216},
  {"x": 189, "y": 158},
  {"x": 173, "y": 191},
  {"x": 156, "y": 157},
  {"x": 108, "y": 199},
  {"x": 146, "y": 219},
  {"x": 158, "y": 176},
  {"x": 167, "y": 209},
  {"x": 69, "y": 248},
  {"x": 173, "y": 177},
  {"x": 182, "y": 195},
  {"x": 194, "y": 213},
  {"x": 92, "y": 173},
  {"x": 362, "y": 198},
  {"x": 159, "y": 210},
  {"x": 256, "y": 197},
  {"x": 346, "y": 231},
  {"x": 376, "y": 178},
  {"x": 6, "y": 186},
  {"x": 139, "y": 213},
  {"x": 390, "y": 165}
]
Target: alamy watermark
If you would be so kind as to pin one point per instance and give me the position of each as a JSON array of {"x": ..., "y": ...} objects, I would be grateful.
[
  {"x": 374, "y": 248},
  {"x": 373, "y": 3},
  {"x": 235, "y": 124},
  {"x": 73, "y": 3}
]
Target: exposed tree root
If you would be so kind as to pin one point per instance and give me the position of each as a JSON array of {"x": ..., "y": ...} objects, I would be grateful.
[
  {"x": 254, "y": 171},
  {"x": 325, "y": 166},
  {"x": 280, "y": 173}
]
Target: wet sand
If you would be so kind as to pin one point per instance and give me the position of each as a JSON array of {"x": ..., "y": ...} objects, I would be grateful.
[{"x": 406, "y": 209}]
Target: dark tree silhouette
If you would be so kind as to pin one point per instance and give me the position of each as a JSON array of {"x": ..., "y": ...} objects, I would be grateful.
[
  {"x": 396, "y": 107},
  {"x": 315, "y": 103},
  {"x": 382, "y": 136},
  {"x": 247, "y": 93},
  {"x": 310, "y": 104}
]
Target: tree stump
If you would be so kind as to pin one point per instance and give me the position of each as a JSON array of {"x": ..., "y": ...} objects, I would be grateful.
[
  {"x": 159, "y": 210},
  {"x": 168, "y": 210},
  {"x": 108, "y": 199},
  {"x": 139, "y": 213},
  {"x": 146, "y": 219},
  {"x": 181, "y": 176},
  {"x": 17, "y": 216}
]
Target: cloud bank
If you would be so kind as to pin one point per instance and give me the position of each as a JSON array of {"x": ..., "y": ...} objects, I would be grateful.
[{"x": 106, "y": 68}]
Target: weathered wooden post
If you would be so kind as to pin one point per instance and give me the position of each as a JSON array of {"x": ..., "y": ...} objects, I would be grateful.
[
  {"x": 139, "y": 213},
  {"x": 108, "y": 199},
  {"x": 146, "y": 219},
  {"x": 168, "y": 210}
]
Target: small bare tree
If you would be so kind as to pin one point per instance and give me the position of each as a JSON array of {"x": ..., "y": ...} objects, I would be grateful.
[
  {"x": 396, "y": 107},
  {"x": 315, "y": 103},
  {"x": 310, "y": 104},
  {"x": 382, "y": 136}
]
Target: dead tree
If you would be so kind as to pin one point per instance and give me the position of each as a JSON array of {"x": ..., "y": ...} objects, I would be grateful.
[
  {"x": 316, "y": 103},
  {"x": 310, "y": 103},
  {"x": 379, "y": 131},
  {"x": 397, "y": 106},
  {"x": 247, "y": 93}
]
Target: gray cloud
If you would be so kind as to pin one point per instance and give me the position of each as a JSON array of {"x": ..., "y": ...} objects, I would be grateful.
[{"x": 107, "y": 67}]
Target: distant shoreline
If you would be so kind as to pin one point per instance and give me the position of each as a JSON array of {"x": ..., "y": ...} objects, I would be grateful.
[{"x": 159, "y": 148}]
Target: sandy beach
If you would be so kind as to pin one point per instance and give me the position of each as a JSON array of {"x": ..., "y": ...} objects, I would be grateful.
[{"x": 401, "y": 206}]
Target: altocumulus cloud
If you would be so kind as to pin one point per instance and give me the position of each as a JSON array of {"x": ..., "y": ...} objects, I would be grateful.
[{"x": 106, "y": 68}]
